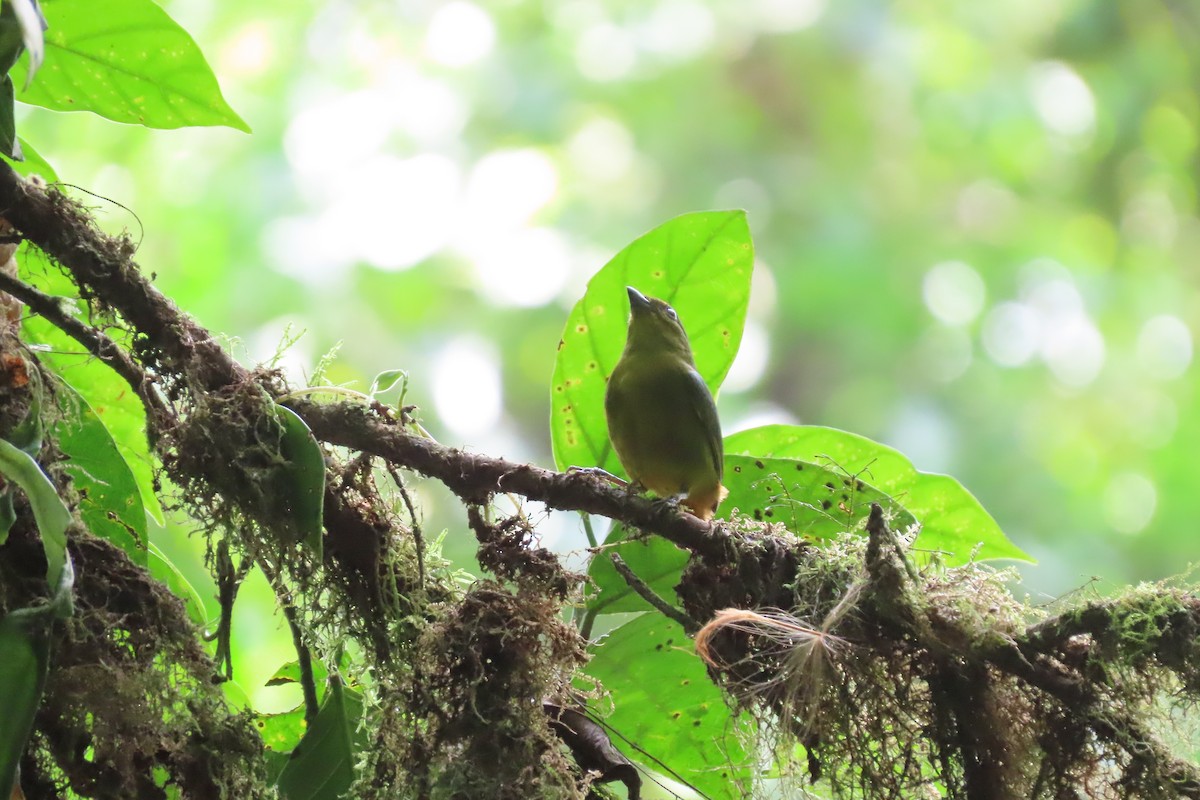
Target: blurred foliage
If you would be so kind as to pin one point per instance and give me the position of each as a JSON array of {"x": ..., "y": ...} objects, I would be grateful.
[{"x": 976, "y": 228}]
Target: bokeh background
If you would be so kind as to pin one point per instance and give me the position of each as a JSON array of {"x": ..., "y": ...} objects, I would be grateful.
[{"x": 976, "y": 228}]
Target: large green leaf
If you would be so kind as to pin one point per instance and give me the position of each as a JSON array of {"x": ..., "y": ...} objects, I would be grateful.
[
  {"x": 699, "y": 263},
  {"x": 108, "y": 395},
  {"x": 652, "y": 558},
  {"x": 821, "y": 497},
  {"x": 25, "y": 642},
  {"x": 111, "y": 504},
  {"x": 126, "y": 60},
  {"x": 807, "y": 498},
  {"x": 165, "y": 570},
  {"x": 952, "y": 520},
  {"x": 25, "y": 645},
  {"x": 321, "y": 767},
  {"x": 664, "y": 701},
  {"x": 49, "y": 511}
]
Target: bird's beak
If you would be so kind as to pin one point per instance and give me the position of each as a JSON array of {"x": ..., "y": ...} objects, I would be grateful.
[{"x": 637, "y": 300}]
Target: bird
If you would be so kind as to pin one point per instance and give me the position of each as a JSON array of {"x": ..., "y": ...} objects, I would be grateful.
[{"x": 662, "y": 420}]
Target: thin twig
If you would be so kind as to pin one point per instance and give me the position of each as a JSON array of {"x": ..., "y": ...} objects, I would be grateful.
[
  {"x": 690, "y": 626},
  {"x": 587, "y": 529},
  {"x": 308, "y": 683},
  {"x": 418, "y": 536},
  {"x": 94, "y": 341}
]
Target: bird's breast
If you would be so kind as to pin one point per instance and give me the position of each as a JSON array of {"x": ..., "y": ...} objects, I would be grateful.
[{"x": 659, "y": 439}]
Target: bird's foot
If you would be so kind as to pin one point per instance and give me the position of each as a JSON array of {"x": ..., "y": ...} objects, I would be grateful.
[
  {"x": 675, "y": 502},
  {"x": 602, "y": 474}
]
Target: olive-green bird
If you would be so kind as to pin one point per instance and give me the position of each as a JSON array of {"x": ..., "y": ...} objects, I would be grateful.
[{"x": 661, "y": 417}]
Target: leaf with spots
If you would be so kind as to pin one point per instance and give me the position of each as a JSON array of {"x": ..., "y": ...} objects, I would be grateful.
[
  {"x": 952, "y": 520},
  {"x": 806, "y": 498},
  {"x": 699, "y": 263},
  {"x": 126, "y": 60},
  {"x": 664, "y": 701},
  {"x": 280, "y": 734}
]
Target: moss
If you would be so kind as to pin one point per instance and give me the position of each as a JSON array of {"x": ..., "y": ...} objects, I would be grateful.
[
  {"x": 906, "y": 683},
  {"x": 472, "y": 725},
  {"x": 130, "y": 692}
]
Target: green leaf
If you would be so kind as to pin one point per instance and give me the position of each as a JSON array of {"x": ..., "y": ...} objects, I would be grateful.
[
  {"x": 111, "y": 503},
  {"x": 32, "y": 164},
  {"x": 27, "y": 434},
  {"x": 287, "y": 673},
  {"x": 25, "y": 643},
  {"x": 8, "y": 514},
  {"x": 952, "y": 520},
  {"x": 280, "y": 734},
  {"x": 50, "y": 513},
  {"x": 386, "y": 380},
  {"x": 165, "y": 570},
  {"x": 107, "y": 393},
  {"x": 807, "y": 498},
  {"x": 321, "y": 767},
  {"x": 652, "y": 558},
  {"x": 290, "y": 673},
  {"x": 126, "y": 60},
  {"x": 301, "y": 482},
  {"x": 664, "y": 701},
  {"x": 819, "y": 500},
  {"x": 699, "y": 263}
]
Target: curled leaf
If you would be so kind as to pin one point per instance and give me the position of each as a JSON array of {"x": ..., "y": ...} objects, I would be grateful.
[{"x": 49, "y": 511}]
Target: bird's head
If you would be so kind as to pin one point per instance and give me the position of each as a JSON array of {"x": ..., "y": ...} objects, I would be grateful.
[{"x": 654, "y": 327}]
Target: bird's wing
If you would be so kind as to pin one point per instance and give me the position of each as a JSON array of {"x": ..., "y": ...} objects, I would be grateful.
[{"x": 703, "y": 406}]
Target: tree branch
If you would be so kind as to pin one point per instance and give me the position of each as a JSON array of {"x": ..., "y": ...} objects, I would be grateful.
[
  {"x": 92, "y": 339},
  {"x": 102, "y": 267},
  {"x": 689, "y": 625},
  {"x": 898, "y": 632},
  {"x": 474, "y": 477}
]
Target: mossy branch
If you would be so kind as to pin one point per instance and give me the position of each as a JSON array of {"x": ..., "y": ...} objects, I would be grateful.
[{"x": 942, "y": 670}]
